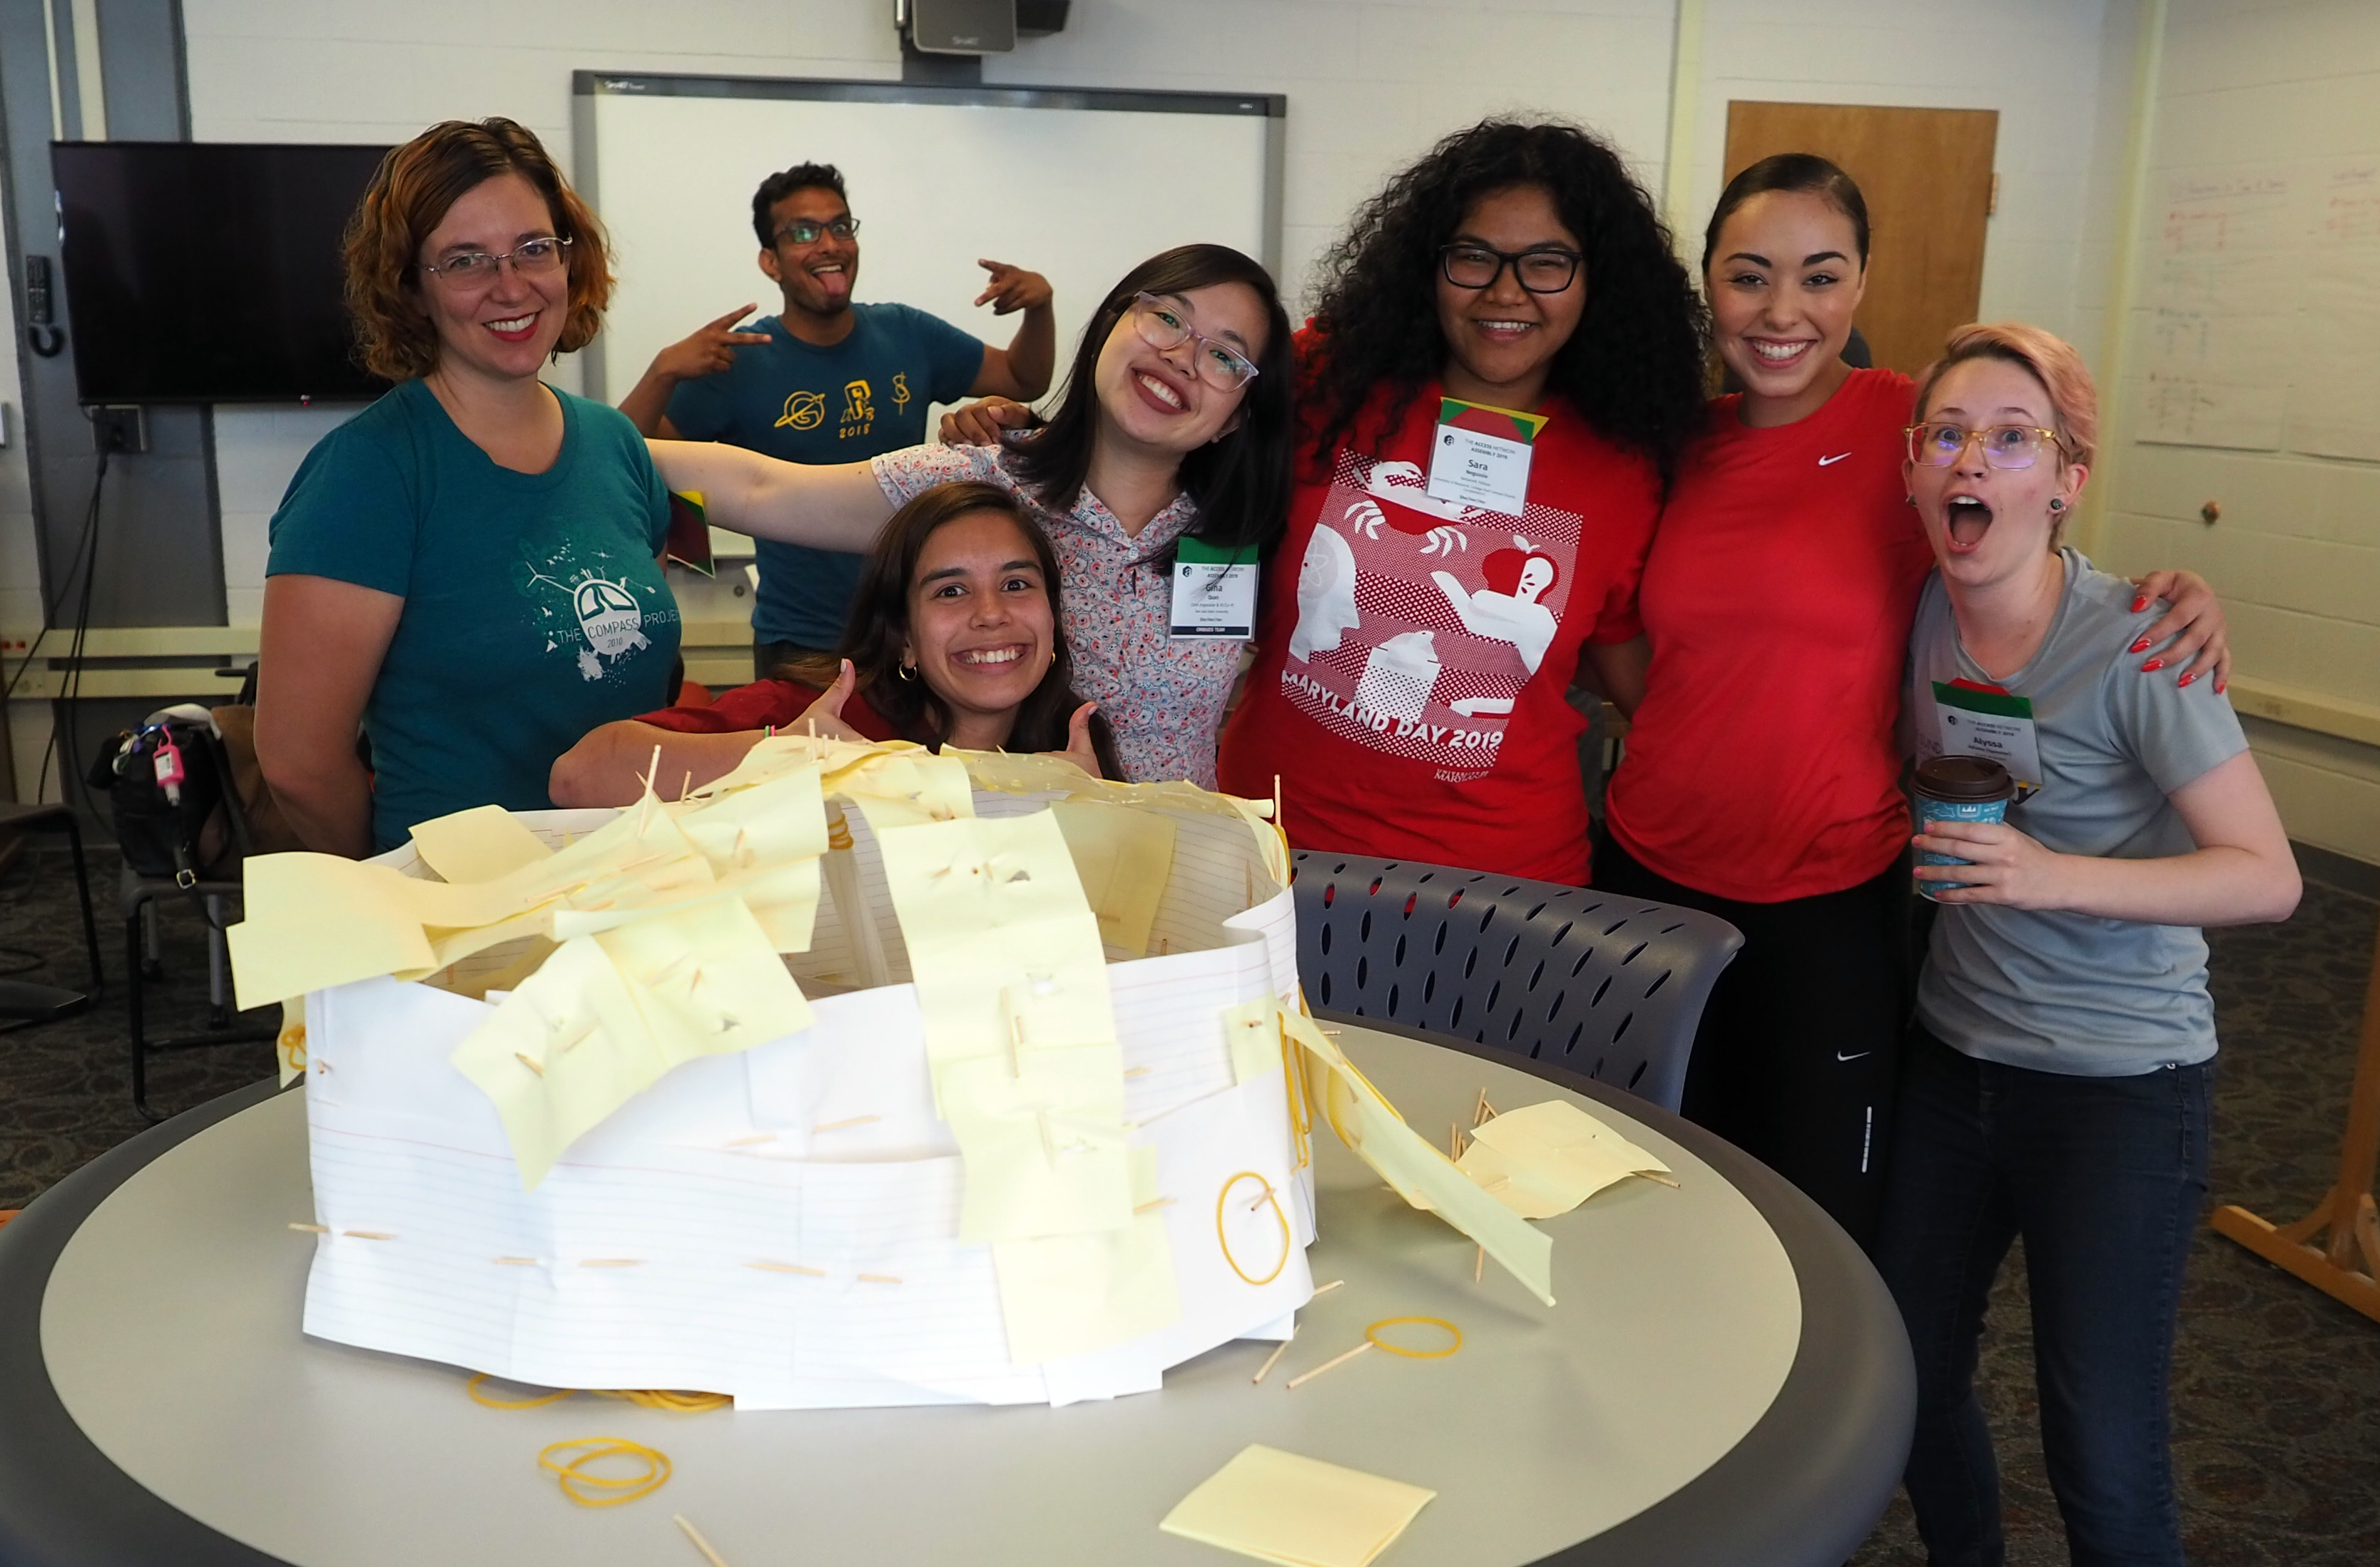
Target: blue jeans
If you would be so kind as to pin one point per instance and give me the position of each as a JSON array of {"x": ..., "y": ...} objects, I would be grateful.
[{"x": 2104, "y": 1178}]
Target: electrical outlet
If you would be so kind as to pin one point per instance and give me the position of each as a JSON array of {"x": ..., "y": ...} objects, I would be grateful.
[{"x": 119, "y": 427}]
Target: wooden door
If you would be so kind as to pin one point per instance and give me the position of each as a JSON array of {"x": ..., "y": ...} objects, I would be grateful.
[{"x": 1928, "y": 177}]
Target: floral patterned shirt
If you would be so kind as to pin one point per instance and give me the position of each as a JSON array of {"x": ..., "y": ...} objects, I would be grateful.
[{"x": 1163, "y": 697}]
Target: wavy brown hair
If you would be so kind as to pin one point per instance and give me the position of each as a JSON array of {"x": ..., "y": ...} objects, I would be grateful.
[
  {"x": 873, "y": 636},
  {"x": 410, "y": 194}
]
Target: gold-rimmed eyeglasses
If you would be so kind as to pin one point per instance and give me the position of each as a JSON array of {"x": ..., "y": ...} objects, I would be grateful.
[
  {"x": 478, "y": 269},
  {"x": 1940, "y": 444}
]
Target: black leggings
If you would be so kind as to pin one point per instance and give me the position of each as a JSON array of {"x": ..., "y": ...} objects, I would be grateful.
[{"x": 1799, "y": 1047}]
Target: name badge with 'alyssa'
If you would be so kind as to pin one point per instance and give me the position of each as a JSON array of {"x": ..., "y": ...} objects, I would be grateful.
[
  {"x": 1984, "y": 721},
  {"x": 1480, "y": 455},
  {"x": 1214, "y": 592}
]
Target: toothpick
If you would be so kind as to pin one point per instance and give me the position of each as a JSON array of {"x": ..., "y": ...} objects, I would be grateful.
[
  {"x": 513, "y": 1261},
  {"x": 838, "y": 1125},
  {"x": 1153, "y": 1206},
  {"x": 1326, "y": 1289},
  {"x": 368, "y": 1234},
  {"x": 312, "y": 1229},
  {"x": 878, "y": 1279},
  {"x": 1042, "y": 1119},
  {"x": 612, "y": 1262},
  {"x": 1479, "y": 1265},
  {"x": 1133, "y": 1072},
  {"x": 1484, "y": 1112},
  {"x": 748, "y": 1142},
  {"x": 652, "y": 772},
  {"x": 527, "y": 1063},
  {"x": 1276, "y": 800},
  {"x": 686, "y": 788},
  {"x": 1274, "y": 1358},
  {"x": 1016, "y": 1033},
  {"x": 699, "y": 1543},
  {"x": 1297, "y": 1381},
  {"x": 788, "y": 1267},
  {"x": 1657, "y": 1177}
]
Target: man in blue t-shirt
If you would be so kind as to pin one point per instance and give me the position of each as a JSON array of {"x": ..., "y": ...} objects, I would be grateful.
[{"x": 826, "y": 380}]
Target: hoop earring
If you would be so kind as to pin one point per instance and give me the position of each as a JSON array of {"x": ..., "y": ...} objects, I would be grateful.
[{"x": 906, "y": 672}]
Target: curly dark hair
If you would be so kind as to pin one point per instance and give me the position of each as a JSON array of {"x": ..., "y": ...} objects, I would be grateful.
[
  {"x": 879, "y": 628},
  {"x": 409, "y": 195},
  {"x": 1634, "y": 368},
  {"x": 778, "y": 186}
]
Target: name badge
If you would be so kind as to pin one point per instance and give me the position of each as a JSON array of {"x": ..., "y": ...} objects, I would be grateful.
[
  {"x": 1987, "y": 722},
  {"x": 1214, "y": 592},
  {"x": 1480, "y": 455}
]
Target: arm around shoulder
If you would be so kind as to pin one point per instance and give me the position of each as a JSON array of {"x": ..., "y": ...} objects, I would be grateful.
[{"x": 826, "y": 506}]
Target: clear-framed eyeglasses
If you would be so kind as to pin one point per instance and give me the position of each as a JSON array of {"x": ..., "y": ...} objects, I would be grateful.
[
  {"x": 539, "y": 256},
  {"x": 803, "y": 231},
  {"x": 1543, "y": 271},
  {"x": 1163, "y": 324},
  {"x": 1939, "y": 444}
]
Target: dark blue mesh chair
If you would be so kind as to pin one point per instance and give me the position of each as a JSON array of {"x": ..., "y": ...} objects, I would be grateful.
[{"x": 1609, "y": 986}]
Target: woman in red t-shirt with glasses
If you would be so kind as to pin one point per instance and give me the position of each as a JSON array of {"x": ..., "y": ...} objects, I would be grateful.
[{"x": 1762, "y": 775}]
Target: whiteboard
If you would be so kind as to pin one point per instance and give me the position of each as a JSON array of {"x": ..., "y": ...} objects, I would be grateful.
[{"x": 1078, "y": 186}]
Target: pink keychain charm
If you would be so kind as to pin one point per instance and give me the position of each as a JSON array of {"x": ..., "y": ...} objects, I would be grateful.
[{"x": 168, "y": 762}]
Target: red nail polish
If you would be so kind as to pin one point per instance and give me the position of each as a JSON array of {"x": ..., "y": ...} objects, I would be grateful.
[
  {"x": 2153, "y": 665},
  {"x": 2219, "y": 684},
  {"x": 2139, "y": 603},
  {"x": 2187, "y": 678},
  {"x": 2140, "y": 647}
]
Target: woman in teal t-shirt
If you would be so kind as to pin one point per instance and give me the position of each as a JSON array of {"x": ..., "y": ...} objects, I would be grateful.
[{"x": 469, "y": 568}]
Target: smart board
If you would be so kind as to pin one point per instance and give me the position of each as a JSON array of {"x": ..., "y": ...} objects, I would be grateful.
[{"x": 1079, "y": 186}]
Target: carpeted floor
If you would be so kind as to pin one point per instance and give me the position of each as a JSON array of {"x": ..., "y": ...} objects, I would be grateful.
[{"x": 2277, "y": 1387}]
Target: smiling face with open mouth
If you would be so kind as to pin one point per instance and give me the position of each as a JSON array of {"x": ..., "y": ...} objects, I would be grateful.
[
  {"x": 1155, "y": 398},
  {"x": 1990, "y": 524},
  {"x": 815, "y": 278},
  {"x": 502, "y": 327},
  {"x": 1785, "y": 280},
  {"x": 1501, "y": 340},
  {"x": 982, "y": 630}
]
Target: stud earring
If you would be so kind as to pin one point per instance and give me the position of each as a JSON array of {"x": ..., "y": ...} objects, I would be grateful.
[{"x": 2055, "y": 505}]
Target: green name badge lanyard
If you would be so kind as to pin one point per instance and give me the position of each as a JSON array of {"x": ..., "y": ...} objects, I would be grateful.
[
  {"x": 1990, "y": 723},
  {"x": 1480, "y": 455},
  {"x": 1214, "y": 592}
]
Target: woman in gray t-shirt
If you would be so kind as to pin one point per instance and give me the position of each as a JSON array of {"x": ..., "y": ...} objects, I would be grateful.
[{"x": 2057, "y": 1085}]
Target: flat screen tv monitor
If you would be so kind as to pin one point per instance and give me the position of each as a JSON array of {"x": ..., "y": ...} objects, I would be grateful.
[{"x": 205, "y": 272}]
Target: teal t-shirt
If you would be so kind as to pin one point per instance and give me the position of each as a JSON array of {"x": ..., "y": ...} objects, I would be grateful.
[
  {"x": 862, "y": 397},
  {"x": 534, "y": 608}
]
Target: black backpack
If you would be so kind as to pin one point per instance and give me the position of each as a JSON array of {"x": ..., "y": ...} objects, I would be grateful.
[{"x": 166, "y": 784}]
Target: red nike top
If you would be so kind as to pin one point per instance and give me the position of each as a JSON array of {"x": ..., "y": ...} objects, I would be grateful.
[{"x": 1778, "y": 597}]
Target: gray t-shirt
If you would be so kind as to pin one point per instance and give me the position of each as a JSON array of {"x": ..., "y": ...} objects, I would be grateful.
[{"x": 2054, "y": 990}]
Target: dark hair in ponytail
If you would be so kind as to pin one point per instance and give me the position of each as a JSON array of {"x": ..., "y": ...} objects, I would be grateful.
[{"x": 1804, "y": 172}]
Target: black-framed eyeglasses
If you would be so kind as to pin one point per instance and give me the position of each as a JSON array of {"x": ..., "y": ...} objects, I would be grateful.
[
  {"x": 2006, "y": 446},
  {"x": 1163, "y": 324},
  {"x": 1545, "y": 270},
  {"x": 803, "y": 231},
  {"x": 478, "y": 269}
]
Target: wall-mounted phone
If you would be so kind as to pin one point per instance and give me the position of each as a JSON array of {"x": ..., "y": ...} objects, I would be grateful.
[{"x": 42, "y": 334}]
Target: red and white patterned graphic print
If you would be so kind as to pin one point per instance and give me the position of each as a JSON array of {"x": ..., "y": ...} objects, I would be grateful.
[{"x": 1419, "y": 620}]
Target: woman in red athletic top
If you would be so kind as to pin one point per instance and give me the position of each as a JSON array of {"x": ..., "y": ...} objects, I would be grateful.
[{"x": 1762, "y": 778}]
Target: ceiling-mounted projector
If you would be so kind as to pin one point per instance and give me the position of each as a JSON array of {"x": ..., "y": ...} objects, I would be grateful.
[{"x": 975, "y": 27}]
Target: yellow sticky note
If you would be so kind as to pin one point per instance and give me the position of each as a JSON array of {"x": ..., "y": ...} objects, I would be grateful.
[
  {"x": 289, "y": 1045},
  {"x": 1546, "y": 1158},
  {"x": 1252, "y": 1031},
  {"x": 1123, "y": 857},
  {"x": 1071, "y": 1294},
  {"x": 480, "y": 844},
  {"x": 1281, "y": 1506},
  {"x": 1044, "y": 1144},
  {"x": 781, "y": 817},
  {"x": 315, "y": 922},
  {"x": 1419, "y": 1170},
  {"x": 705, "y": 980}
]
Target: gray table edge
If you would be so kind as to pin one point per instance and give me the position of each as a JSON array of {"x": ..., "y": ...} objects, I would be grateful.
[{"x": 1825, "y": 1477}]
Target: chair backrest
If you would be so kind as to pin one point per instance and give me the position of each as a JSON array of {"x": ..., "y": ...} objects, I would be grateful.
[{"x": 1609, "y": 986}]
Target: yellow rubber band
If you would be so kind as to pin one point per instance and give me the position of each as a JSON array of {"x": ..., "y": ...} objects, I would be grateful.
[
  {"x": 472, "y": 1387},
  {"x": 1373, "y": 1334},
  {"x": 647, "y": 1398},
  {"x": 572, "y": 1475},
  {"x": 1287, "y": 1244}
]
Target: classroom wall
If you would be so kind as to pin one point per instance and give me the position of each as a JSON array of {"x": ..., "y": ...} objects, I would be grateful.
[{"x": 2250, "y": 380}]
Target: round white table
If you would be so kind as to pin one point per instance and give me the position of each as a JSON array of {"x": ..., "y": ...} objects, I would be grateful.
[{"x": 1723, "y": 1381}]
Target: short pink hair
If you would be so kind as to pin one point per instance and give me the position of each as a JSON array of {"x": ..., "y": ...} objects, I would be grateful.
[{"x": 2073, "y": 399}]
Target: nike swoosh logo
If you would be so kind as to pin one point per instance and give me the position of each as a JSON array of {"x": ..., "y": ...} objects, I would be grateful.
[
  {"x": 1840, "y": 1055},
  {"x": 1830, "y": 462}
]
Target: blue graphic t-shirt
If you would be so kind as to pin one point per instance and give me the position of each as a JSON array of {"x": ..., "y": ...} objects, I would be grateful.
[
  {"x": 534, "y": 609},
  {"x": 862, "y": 397}
]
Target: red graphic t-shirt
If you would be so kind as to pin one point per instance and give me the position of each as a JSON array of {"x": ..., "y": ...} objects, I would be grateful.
[
  {"x": 1762, "y": 765},
  {"x": 1414, "y": 652}
]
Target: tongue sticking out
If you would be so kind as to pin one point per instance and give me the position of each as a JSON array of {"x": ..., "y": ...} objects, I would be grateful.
[
  {"x": 836, "y": 285},
  {"x": 1969, "y": 520}
]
